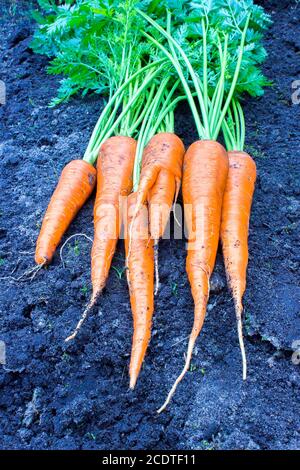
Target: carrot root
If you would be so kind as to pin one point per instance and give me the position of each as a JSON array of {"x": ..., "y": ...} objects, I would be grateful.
[
  {"x": 186, "y": 367},
  {"x": 238, "y": 312},
  {"x": 156, "y": 269},
  {"x": 83, "y": 317},
  {"x": 28, "y": 274}
]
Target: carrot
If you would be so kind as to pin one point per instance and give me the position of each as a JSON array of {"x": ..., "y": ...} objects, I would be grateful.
[
  {"x": 205, "y": 172},
  {"x": 160, "y": 200},
  {"x": 114, "y": 176},
  {"x": 115, "y": 167},
  {"x": 160, "y": 182},
  {"x": 140, "y": 275},
  {"x": 234, "y": 230},
  {"x": 206, "y": 162},
  {"x": 114, "y": 180},
  {"x": 75, "y": 185},
  {"x": 164, "y": 152}
]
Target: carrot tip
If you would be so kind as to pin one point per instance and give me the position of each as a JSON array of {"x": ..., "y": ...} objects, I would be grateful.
[
  {"x": 83, "y": 316},
  {"x": 132, "y": 383},
  {"x": 157, "y": 283},
  {"x": 239, "y": 310},
  {"x": 180, "y": 377},
  {"x": 69, "y": 338}
]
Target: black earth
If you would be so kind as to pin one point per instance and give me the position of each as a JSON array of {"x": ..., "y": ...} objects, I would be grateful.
[{"x": 75, "y": 396}]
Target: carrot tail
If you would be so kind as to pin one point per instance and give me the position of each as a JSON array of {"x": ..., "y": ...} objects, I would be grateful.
[
  {"x": 190, "y": 349},
  {"x": 238, "y": 312},
  {"x": 82, "y": 319},
  {"x": 75, "y": 185},
  {"x": 199, "y": 315},
  {"x": 157, "y": 284}
]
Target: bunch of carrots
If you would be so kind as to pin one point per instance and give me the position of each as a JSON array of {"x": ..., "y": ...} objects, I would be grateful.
[{"x": 205, "y": 53}]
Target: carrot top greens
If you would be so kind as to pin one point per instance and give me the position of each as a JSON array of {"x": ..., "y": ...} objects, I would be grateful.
[
  {"x": 147, "y": 56},
  {"x": 216, "y": 53},
  {"x": 99, "y": 47}
]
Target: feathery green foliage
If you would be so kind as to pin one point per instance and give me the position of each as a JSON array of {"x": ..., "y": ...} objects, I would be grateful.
[
  {"x": 93, "y": 43},
  {"x": 98, "y": 44}
]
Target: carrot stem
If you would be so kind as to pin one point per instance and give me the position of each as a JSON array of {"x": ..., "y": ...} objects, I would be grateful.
[
  {"x": 233, "y": 83},
  {"x": 189, "y": 95},
  {"x": 103, "y": 122},
  {"x": 145, "y": 133}
]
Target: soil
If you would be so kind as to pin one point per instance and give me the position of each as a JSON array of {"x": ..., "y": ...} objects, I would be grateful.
[{"x": 75, "y": 396}]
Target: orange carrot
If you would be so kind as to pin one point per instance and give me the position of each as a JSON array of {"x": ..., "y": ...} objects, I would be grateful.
[
  {"x": 114, "y": 180},
  {"x": 160, "y": 199},
  {"x": 160, "y": 182},
  {"x": 140, "y": 275},
  {"x": 234, "y": 230},
  {"x": 164, "y": 152},
  {"x": 75, "y": 185},
  {"x": 204, "y": 178}
]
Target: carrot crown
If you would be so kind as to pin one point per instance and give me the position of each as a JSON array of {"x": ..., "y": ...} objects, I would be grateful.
[{"x": 234, "y": 128}]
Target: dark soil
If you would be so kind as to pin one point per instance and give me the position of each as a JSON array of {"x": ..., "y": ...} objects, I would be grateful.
[{"x": 75, "y": 396}]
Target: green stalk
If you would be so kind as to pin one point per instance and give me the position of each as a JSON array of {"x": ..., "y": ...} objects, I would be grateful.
[
  {"x": 130, "y": 103},
  {"x": 140, "y": 114},
  {"x": 211, "y": 129},
  {"x": 104, "y": 122},
  {"x": 171, "y": 123},
  {"x": 196, "y": 80},
  {"x": 234, "y": 138},
  {"x": 229, "y": 138},
  {"x": 145, "y": 133},
  {"x": 242, "y": 126},
  {"x": 237, "y": 123},
  {"x": 189, "y": 95},
  {"x": 233, "y": 83},
  {"x": 217, "y": 102},
  {"x": 169, "y": 109},
  {"x": 205, "y": 78}
]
